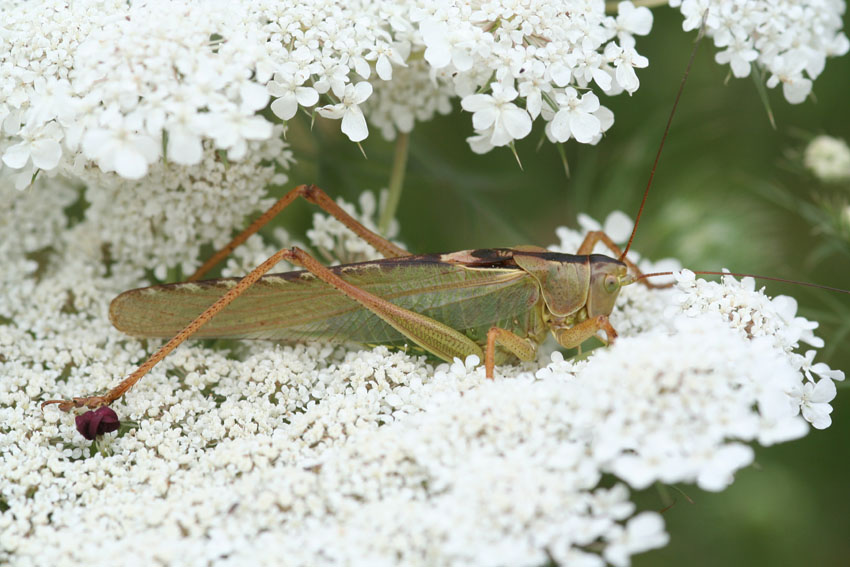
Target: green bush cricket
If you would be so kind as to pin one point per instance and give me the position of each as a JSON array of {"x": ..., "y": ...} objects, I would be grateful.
[{"x": 497, "y": 303}]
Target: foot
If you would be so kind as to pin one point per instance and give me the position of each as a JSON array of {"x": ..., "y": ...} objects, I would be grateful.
[{"x": 91, "y": 402}]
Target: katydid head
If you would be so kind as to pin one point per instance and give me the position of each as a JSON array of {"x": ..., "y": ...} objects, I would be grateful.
[
  {"x": 572, "y": 283},
  {"x": 607, "y": 276}
]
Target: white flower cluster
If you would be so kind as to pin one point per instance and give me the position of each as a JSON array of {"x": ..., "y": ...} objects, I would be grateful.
[
  {"x": 372, "y": 457},
  {"x": 163, "y": 220},
  {"x": 774, "y": 322},
  {"x": 125, "y": 85},
  {"x": 110, "y": 82},
  {"x": 512, "y": 63},
  {"x": 790, "y": 39},
  {"x": 828, "y": 158},
  {"x": 95, "y": 91},
  {"x": 401, "y": 63}
]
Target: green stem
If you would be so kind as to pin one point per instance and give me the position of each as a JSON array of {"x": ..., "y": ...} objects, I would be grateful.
[{"x": 396, "y": 182}]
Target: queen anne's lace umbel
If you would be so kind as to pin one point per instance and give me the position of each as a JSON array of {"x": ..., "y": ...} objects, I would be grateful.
[
  {"x": 122, "y": 86},
  {"x": 336, "y": 455},
  {"x": 330, "y": 454},
  {"x": 789, "y": 39}
]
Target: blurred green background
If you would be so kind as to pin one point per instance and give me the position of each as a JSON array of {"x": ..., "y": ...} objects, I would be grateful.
[{"x": 715, "y": 203}]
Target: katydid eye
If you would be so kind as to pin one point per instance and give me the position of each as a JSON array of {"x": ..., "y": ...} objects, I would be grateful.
[{"x": 612, "y": 284}]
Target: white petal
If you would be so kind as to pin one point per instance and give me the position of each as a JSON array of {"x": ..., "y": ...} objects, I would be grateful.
[
  {"x": 500, "y": 137},
  {"x": 824, "y": 391},
  {"x": 154, "y": 121},
  {"x": 589, "y": 103},
  {"x": 627, "y": 77},
  {"x": 286, "y": 106},
  {"x": 129, "y": 163},
  {"x": 636, "y": 20},
  {"x": 354, "y": 125},
  {"x": 46, "y": 154},
  {"x": 588, "y": 223},
  {"x": 17, "y": 156},
  {"x": 333, "y": 111},
  {"x": 786, "y": 307},
  {"x": 634, "y": 470},
  {"x": 485, "y": 118},
  {"x": 362, "y": 91},
  {"x": 516, "y": 121},
  {"x": 183, "y": 147},
  {"x": 96, "y": 142},
  {"x": 533, "y": 103},
  {"x": 560, "y": 125},
  {"x": 480, "y": 144},
  {"x": 602, "y": 78},
  {"x": 12, "y": 122},
  {"x": 438, "y": 55},
  {"x": 432, "y": 31},
  {"x": 646, "y": 531},
  {"x": 73, "y": 135},
  {"x": 584, "y": 126},
  {"x": 783, "y": 430},
  {"x": 338, "y": 87},
  {"x": 361, "y": 67},
  {"x": 256, "y": 128},
  {"x": 437, "y": 48},
  {"x": 796, "y": 92},
  {"x": 718, "y": 473},
  {"x": 818, "y": 415},
  {"x": 476, "y": 102},
  {"x": 23, "y": 179},
  {"x": 606, "y": 117},
  {"x": 307, "y": 96},
  {"x": 561, "y": 74},
  {"x": 278, "y": 88},
  {"x": 254, "y": 96},
  {"x": 822, "y": 369},
  {"x": 462, "y": 60},
  {"x": 384, "y": 68},
  {"x": 639, "y": 61},
  {"x": 740, "y": 67}
]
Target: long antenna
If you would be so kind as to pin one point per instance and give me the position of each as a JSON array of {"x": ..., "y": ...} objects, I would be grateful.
[
  {"x": 666, "y": 131},
  {"x": 740, "y": 275}
]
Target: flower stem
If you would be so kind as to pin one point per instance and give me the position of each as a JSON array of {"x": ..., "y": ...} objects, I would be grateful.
[{"x": 396, "y": 182}]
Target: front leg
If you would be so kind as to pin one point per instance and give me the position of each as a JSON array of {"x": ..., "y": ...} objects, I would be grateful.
[
  {"x": 522, "y": 348},
  {"x": 573, "y": 337}
]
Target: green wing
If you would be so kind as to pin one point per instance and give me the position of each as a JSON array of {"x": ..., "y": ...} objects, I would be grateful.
[{"x": 297, "y": 306}]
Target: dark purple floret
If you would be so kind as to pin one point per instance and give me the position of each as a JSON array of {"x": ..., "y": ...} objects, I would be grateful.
[{"x": 97, "y": 422}]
